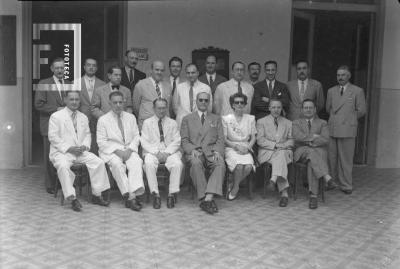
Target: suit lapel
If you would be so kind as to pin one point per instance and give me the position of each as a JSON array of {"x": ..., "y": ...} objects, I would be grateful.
[
  {"x": 57, "y": 93},
  {"x": 341, "y": 99},
  {"x": 70, "y": 126},
  {"x": 84, "y": 91}
]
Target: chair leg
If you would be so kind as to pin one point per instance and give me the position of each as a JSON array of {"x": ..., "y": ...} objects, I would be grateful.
[
  {"x": 56, "y": 187},
  {"x": 250, "y": 179},
  {"x": 322, "y": 189},
  {"x": 296, "y": 174}
]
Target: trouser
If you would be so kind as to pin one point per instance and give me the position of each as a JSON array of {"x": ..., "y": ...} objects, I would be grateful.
[
  {"x": 217, "y": 174},
  {"x": 133, "y": 182},
  {"x": 341, "y": 154},
  {"x": 279, "y": 161},
  {"x": 174, "y": 166},
  {"x": 95, "y": 166},
  {"x": 49, "y": 176}
]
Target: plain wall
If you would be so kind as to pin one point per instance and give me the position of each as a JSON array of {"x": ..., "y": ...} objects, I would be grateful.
[
  {"x": 252, "y": 30},
  {"x": 11, "y": 142},
  {"x": 388, "y": 144}
]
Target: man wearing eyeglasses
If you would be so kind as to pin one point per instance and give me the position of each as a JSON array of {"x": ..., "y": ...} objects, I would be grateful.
[{"x": 203, "y": 144}]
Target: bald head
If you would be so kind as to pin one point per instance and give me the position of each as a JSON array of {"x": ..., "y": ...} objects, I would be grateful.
[{"x": 157, "y": 70}]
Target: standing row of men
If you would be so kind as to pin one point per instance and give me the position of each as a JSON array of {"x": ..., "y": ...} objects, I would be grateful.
[{"x": 345, "y": 103}]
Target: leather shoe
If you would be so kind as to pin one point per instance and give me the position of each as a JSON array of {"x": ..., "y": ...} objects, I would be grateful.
[
  {"x": 331, "y": 185},
  {"x": 98, "y": 200},
  {"x": 157, "y": 202},
  {"x": 50, "y": 190},
  {"x": 313, "y": 204},
  {"x": 76, "y": 206},
  {"x": 230, "y": 197},
  {"x": 133, "y": 204},
  {"x": 214, "y": 206},
  {"x": 283, "y": 202},
  {"x": 206, "y": 206},
  {"x": 170, "y": 201},
  {"x": 347, "y": 191}
]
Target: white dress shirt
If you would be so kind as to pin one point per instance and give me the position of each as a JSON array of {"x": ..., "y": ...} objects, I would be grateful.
[{"x": 89, "y": 82}]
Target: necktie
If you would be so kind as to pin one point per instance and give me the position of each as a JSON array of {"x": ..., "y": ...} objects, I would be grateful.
[
  {"x": 211, "y": 80},
  {"x": 276, "y": 123},
  {"x": 158, "y": 90},
  {"x": 61, "y": 90},
  {"x": 130, "y": 75},
  {"x": 121, "y": 127},
  {"x": 341, "y": 90},
  {"x": 161, "y": 131},
  {"x": 239, "y": 88},
  {"x": 173, "y": 86},
  {"x": 203, "y": 118},
  {"x": 269, "y": 87},
  {"x": 73, "y": 116},
  {"x": 191, "y": 97},
  {"x": 309, "y": 125},
  {"x": 113, "y": 87},
  {"x": 91, "y": 88},
  {"x": 302, "y": 91}
]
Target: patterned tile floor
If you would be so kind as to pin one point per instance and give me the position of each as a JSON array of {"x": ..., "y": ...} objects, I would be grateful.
[{"x": 360, "y": 231}]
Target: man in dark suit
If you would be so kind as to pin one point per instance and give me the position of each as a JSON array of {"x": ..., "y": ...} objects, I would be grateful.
[
  {"x": 88, "y": 83},
  {"x": 254, "y": 70},
  {"x": 130, "y": 75},
  {"x": 304, "y": 88},
  {"x": 49, "y": 99},
  {"x": 211, "y": 78},
  {"x": 202, "y": 139},
  {"x": 345, "y": 104},
  {"x": 268, "y": 89}
]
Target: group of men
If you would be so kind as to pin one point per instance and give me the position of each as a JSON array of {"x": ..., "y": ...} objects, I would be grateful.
[{"x": 134, "y": 124}]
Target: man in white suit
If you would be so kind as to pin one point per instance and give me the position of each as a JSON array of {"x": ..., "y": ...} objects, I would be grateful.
[
  {"x": 149, "y": 89},
  {"x": 161, "y": 142},
  {"x": 118, "y": 139},
  {"x": 185, "y": 96},
  {"x": 69, "y": 137}
]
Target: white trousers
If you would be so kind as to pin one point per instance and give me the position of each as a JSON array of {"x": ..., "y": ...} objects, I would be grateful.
[
  {"x": 279, "y": 160},
  {"x": 97, "y": 172},
  {"x": 173, "y": 164},
  {"x": 133, "y": 182}
]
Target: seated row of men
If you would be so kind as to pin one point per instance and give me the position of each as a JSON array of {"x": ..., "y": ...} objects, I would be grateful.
[{"x": 345, "y": 102}]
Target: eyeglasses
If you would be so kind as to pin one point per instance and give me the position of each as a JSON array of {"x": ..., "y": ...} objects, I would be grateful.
[
  {"x": 238, "y": 102},
  {"x": 203, "y": 100}
]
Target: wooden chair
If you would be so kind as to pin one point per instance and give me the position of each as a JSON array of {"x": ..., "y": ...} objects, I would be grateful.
[
  {"x": 267, "y": 167},
  {"x": 162, "y": 179},
  {"x": 81, "y": 178},
  {"x": 300, "y": 174}
]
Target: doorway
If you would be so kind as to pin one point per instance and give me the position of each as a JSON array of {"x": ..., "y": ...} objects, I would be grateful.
[
  {"x": 328, "y": 39},
  {"x": 102, "y": 38}
]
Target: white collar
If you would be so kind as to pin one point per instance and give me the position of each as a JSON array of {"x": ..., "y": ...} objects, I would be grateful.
[
  {"x": 57, "y": 80},
  {"x": 200, "y": 113}
]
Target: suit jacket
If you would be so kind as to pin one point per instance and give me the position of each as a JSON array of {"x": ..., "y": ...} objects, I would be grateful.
[
  {"x": 209, "y": 137},
  {"x": 268, "y": 136},
  {"x": 150, "y": 136},
  {"x": 62, "y": 134},
  {"x": 137, "y": 75},
  {"x": 218, "y": 80},
  {"x": 109, "y": 136},
  {"x": 144, "y": 95},
  {"x": 47, "y": 100},
  {"x": 101, "y": 100},
  {"x": 260, "y": 108},
  {"x": 313, "y": 91},
  {"x": 86, "y": 101},
  {"x": 345, "y": 110},
  {"x": 303, "y": 136}
]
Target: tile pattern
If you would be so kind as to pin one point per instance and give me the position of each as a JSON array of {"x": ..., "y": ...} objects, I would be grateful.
[{"x": 359, "y": 231}]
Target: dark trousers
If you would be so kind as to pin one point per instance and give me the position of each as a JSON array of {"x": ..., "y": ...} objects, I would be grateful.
[{"x": 49, "y": 175}]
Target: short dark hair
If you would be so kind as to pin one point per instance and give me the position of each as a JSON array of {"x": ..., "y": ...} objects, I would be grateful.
[
  {"x": 213, "y": 55},
  {"x": 344, "y": 67},
  {"x": 115, "y": 93},
  {"x": 191, "y": 64},
  {"x": 175, "y": 59},
  {"x": 237, "y": 95},
  {"x": 238, "y": 62},
  {"x": 253, "y": 63},
  {"x": 69, "y": 91},
  {"x": 307, "y": 100},
  {"x": 57, "y": 59},
  {"x": 275, "y": 99},
  {"x": 271, "y": 62},
  {"x": 302, "y": 61},
  {"x": 130, "y": 50},
  {"x": 89, "y": 58},
  {"x": 160, "y": 99},
  {"x": 110, "y": 70}
]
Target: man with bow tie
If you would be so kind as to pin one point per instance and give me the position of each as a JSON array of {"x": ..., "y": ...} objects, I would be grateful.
[
  {"x": 203, "y": 143},
  {"x": 345, "y": 104},
  {"x": 149, "y": 89},
  {"x": 70, "y": 137},
  {"x": 118, "y": 139},
  {"x": 100, "y": 100},
  {"x": 311, "y": 136},
  {"x": 161, "y": 143}
]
